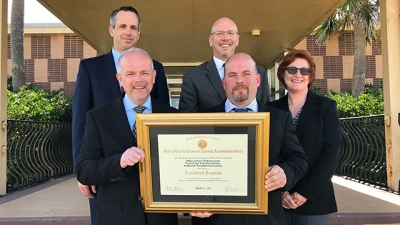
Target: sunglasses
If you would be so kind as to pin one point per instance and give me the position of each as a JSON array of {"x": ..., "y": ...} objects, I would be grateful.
[{"x": 293, "y": 70}]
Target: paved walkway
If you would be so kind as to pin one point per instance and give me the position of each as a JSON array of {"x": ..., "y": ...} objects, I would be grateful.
[{"x": 61, "y": 198}]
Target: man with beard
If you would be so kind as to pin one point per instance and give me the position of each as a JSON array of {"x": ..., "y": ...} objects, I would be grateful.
[
  {"x": 287, "y": 160},
  {"x": 202, "y": 86},
  {"x": 109, "y": 154}
]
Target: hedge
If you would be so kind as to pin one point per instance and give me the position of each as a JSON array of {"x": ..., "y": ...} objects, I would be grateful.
[{"x": 34, "y": 104}]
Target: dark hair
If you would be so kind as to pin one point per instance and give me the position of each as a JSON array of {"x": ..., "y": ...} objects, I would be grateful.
[
  {"x": 126, "y": 9},
  {"x": 292, "y": 55}
]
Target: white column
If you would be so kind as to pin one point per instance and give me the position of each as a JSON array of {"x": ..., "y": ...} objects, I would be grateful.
[
  {"x": 3, "y": 96},
  {"x": 390, "y": 28}
]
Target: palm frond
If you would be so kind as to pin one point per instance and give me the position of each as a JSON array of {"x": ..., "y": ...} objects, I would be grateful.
[
  {"x": 369, "y": 14},
  {"x": 328, "y": 28},
  {"x": 346, "y": 16}
]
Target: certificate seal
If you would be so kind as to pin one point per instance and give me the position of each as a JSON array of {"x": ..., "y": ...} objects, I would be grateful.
[{"x": 202, "y": 144}]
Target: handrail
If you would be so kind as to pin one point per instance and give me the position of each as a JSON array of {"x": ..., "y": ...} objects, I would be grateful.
[{"x": 36, "y": 152}]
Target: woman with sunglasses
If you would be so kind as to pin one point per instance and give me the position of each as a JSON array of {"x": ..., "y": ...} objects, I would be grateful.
[{"x": 318, "y": 128}]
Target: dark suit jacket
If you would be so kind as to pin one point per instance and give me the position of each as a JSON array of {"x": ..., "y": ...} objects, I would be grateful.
[
  {"x": 107, "y": 136},
  {"x": 202, "y": 88},
  {"x": 285, "y": 151},
  {"x": 96, "y": 84},
  {"x": 319, "y": 131}
]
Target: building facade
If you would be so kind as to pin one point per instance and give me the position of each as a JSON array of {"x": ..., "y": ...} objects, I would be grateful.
[
  {"x": 335, "y": 61},
  {"x": 52, "y": 60}
]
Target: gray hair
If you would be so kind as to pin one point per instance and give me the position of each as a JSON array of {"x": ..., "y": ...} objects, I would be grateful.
[
  {"x": 126, "y": 9},
  {"x": 133, "y": 50}
]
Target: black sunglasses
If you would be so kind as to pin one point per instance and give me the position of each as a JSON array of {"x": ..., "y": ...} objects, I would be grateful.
[{"x": 293, "y": 70}]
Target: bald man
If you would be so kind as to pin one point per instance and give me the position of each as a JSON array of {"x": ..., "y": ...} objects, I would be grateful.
[
  {"x": 287, "y": 160},
  {"x": 201, "y": 85},
  {"x": 109, "y": 154}
]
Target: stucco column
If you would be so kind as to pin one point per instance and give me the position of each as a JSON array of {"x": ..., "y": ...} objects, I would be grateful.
[
  {"x": 3, "y": 95},
  {"x": 390, "y": 25}
]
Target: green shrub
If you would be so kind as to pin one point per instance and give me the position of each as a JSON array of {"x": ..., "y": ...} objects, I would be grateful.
[
  {"x": 32, "y": 103},
  {"x": 369, "y": 103},
  {"x": 315, "y": 89}
]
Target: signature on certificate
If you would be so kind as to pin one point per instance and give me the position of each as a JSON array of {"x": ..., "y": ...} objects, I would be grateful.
[
  {"x": 173, "y": 188},
  {"x": 233, "y": 189}
]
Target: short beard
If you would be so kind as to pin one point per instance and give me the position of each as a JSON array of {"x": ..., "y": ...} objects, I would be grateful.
[{"x": 241, "y": 97}]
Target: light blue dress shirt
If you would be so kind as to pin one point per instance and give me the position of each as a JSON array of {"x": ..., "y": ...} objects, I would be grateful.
[
  {"x": 130, "y": 113},
  {"x": 253, "y": 106},
  {"x": 220, "y": 66},
  {"x": 116, "y": 54}
]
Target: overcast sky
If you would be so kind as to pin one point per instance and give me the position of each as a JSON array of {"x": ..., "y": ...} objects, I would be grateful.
[{"x": 35, "y": 13}]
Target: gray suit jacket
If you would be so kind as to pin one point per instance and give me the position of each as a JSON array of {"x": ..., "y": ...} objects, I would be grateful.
[{"x": 202, "y": 88}]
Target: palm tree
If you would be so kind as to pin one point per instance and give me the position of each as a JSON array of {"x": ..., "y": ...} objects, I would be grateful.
[
  {"x": 17, "y": 44},
  {"x": 362, "y": 16}
]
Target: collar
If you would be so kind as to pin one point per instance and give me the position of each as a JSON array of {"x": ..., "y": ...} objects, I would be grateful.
[
  {"x": 128, "y": 104},
  {"x": 116, "y": 54},
  {"x": 219, "y": 64},
  {"x": 253, "y": 106}
]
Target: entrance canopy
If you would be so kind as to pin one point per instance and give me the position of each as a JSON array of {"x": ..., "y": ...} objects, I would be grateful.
[{"x": 176, "y": 31}]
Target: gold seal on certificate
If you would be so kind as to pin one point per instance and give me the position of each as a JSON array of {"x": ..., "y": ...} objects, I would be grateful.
[
  {"x": 202, "y": 144},
  {"x": 214, "y": 162}
]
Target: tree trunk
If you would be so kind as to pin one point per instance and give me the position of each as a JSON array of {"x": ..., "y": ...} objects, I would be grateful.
[
  {"x": 359, "y": 69},
  {"x": 17, "y": 44}
]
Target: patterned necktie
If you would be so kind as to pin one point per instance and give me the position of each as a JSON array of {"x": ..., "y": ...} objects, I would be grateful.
[
  {"x": 138, "y": 109},
  {"x": 241, "y": 110}
]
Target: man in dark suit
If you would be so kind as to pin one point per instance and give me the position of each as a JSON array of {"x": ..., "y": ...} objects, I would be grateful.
[
  {"x": 201, "y": 85},
  {"x": 287, "y": 160},
  {"x": 96, "y": 83},
  {"x": 109, "y": 155}
]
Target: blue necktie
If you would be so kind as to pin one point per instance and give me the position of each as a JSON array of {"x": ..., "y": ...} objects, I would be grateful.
[
  {"x": 241, "y": 110},
  {"x": 138, "y": 109}
]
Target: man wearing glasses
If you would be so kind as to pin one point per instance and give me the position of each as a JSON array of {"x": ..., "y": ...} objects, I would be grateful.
[{"x": 201, "y": 85}]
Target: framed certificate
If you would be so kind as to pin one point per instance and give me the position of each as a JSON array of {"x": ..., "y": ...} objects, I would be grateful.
[{"x": 214, "y": 162}]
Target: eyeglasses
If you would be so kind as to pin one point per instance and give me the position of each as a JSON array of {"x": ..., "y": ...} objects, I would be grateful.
[
  {"x": 230, "y": 33},
  {"x": 293, "y": 70}
]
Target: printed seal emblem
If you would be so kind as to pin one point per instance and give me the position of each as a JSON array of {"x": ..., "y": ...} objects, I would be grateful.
[{"x": 202, "y": 144}]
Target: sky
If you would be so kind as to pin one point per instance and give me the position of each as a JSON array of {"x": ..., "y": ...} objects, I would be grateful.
[{"x": 35, "y": 13}]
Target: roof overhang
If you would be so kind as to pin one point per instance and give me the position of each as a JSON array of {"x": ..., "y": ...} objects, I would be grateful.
[{"x": 177, "y": 31}]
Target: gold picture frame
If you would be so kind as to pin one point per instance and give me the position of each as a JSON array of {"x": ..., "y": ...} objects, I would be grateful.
[{"x": 181, "y": 173}]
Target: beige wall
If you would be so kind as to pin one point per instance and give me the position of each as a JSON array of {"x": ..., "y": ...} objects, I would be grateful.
[
  {"x": 335, "y": 60},
  {"x": 52, "y": 61}
]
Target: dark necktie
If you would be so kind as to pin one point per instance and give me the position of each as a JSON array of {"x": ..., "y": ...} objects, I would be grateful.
[
  {"x": 138, "y": 109},
  {"x": 241, "y": 110}
]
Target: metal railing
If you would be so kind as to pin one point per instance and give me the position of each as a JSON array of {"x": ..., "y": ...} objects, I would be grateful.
[
  {"x": 36, "y": 152},
  {"x": 363, "y": 152}
]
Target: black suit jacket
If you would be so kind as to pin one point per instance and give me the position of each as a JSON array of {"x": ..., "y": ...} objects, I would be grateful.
[
  {"x": 202, "y": 88},
  {"x": 107, "y": 136},
  {"x": 319, "y": 131},
  {"x": 285, "y": 151},
  {"x": 96, "y": 84}
]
